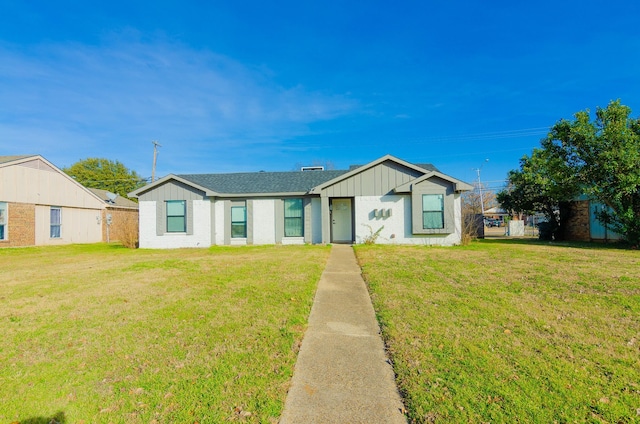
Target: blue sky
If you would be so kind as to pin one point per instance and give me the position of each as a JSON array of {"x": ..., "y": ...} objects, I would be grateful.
[{"x": 246, "y": 86}]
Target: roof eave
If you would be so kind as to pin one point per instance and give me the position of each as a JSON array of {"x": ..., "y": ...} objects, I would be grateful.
[
  {"x": 458, "y": 186},
  {"x": 136, "y": 193},
  {"x": 273, "y": 194},
  {"x": 21, "y": 158}
]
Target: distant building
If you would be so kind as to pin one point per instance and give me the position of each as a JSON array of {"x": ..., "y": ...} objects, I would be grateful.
[{"x": 41, "y": 205}]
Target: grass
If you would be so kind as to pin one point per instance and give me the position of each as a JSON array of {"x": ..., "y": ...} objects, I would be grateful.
[
  {"x": 101, "y": 333},
  {"x": 511, "y": 332}
]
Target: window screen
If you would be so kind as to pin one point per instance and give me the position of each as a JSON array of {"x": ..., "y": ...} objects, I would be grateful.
[
  {"x": 3, "y": 220},
  {"x": 176, "y": 216},
  {"x": 293, "y": 218},
  {"x": 56, "y": 222},
  {"x": 239, "y": 221},
  {"x": 432, "y": 211}
]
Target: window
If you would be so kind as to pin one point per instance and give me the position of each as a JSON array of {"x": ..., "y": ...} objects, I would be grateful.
[
  {"x": 238, "y": 221},
  {"x": 293, "y": 218},
  {"x": 176, "y": 216},
  {"x": 55, "y": 221},
  {"x": 3, "y": 221},
  {"x": 432, "y": 211}
]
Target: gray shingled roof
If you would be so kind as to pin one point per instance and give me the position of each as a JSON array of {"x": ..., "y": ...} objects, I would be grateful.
[
  {"x": 270, "y": 182},
  {"x": 5, "y": 159},
  {"x": 119, "y": 202},
  {"x": 262, "y": 182}
]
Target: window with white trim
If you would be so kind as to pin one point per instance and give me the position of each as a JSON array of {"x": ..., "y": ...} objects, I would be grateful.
[
  {"x": 3, "y": 221},
  {"x": 55, "y": 222},
  {"x": 293, "y": 218}
]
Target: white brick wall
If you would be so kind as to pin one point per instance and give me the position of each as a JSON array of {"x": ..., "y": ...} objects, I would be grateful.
[
  {"x": 397, "y": 227},
  {"x": 201, "y": 236},
  {"x": 218, "y": 207},
  {"x": 264, "y": 229}
]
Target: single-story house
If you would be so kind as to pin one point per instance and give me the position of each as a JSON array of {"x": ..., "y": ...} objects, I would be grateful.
[
  {"x": 41, "y": 205},
  {"x": 401, "y": 202}
]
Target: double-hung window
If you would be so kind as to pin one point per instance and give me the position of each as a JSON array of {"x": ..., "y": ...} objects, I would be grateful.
[
  {"x": 293, "y": 218},
  {"x": 55, "y": 222},
  {"x": 176, "y": 216},
  {"x": 3, "y": 221},
  {"x": 432, "y": 211},
  {"x": 238, "y": 221}
]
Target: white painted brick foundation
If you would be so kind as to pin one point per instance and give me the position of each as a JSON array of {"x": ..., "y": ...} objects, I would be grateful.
[
  {"x": 201, "y": 236},
  {"x": 397, "y": 227}
]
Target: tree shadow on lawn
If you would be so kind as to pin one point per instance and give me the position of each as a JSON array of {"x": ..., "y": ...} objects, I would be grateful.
[
  {"x": 57, "y": 418},
  {"x": 615, "y": 245}
]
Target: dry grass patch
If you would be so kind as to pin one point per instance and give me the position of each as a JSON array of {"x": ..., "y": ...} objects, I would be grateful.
[
  {"x": 101, "y": 333},
  {"x": 511, "y": 332}
]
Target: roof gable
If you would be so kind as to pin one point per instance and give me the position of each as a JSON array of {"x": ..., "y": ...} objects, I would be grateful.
[
  {"x": 33, "y": 179},
  {"x": 458, "y": 186},
  {"x": 417, "y": 169}
]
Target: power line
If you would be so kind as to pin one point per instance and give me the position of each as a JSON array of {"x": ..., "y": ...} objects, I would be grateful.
[{"x": 526, "y": 132}]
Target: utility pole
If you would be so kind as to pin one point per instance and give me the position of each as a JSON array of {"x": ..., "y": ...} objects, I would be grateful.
[
  {"x": 480, "y": 187},
  {"x": 155, "y": 157}
]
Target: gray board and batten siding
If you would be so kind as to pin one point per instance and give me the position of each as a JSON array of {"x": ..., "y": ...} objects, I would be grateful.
[
  {"x": 172, "y": 190},
  {"x": 375, "y": 181}
]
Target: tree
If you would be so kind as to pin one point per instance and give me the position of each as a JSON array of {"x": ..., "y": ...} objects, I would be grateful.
[
  {"x": 605, "y": 155},
  {"x": 105, "y": 174},
  {"x": 471, "y": 200},
  {"x": 544, "y": 183},
  {"x": 598, "y": 158}
]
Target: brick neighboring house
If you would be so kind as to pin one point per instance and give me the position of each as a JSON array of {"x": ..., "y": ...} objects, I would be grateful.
[
  {"x": 119, "y": 218},
  {"x": 583, "y": 224},
  {"x": 41, "y": 205}
]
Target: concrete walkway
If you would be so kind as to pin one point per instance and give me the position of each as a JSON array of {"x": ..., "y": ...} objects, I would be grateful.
[{"x": 342, "y": 374}]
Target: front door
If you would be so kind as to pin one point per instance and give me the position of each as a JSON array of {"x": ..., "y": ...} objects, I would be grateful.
[{"x": 341, "y": 221}]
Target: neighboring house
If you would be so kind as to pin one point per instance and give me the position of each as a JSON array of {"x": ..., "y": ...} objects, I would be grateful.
[
  {"x": 413, "y": 204},
  {"x": 583, "y": 224},
  {"x": 119, "y": 217},
  {"x": 496, "y": 213},
  {"x": 41, "y": 205}
]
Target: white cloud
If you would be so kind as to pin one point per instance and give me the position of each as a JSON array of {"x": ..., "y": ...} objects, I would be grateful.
[{"x": 115, "y": 98}]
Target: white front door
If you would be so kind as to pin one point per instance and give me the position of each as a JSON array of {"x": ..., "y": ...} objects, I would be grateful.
[{"x": 341, "y": 226}]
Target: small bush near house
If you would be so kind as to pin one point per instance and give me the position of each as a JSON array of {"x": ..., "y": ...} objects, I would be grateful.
[
  {"x": 373, "y": 236},
  {"x": 128, "y": 231},
  {"x": 472, "y": 227}
]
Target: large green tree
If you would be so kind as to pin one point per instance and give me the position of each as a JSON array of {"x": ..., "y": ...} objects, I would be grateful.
[
  {"x": 105, "y": 174},
  {"x": 605, "y": 154},
  {"x": 543, "y": 184},
  {"x": 599, "y": 158}
]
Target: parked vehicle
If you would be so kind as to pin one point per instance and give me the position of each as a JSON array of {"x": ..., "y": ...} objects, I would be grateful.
[{"x": 493, "y": 222}]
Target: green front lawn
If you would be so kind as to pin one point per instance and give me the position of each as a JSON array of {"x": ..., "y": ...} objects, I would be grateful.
[
  {"x": 510, "y": 331},
  {"x": 100, "y": 333}
]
